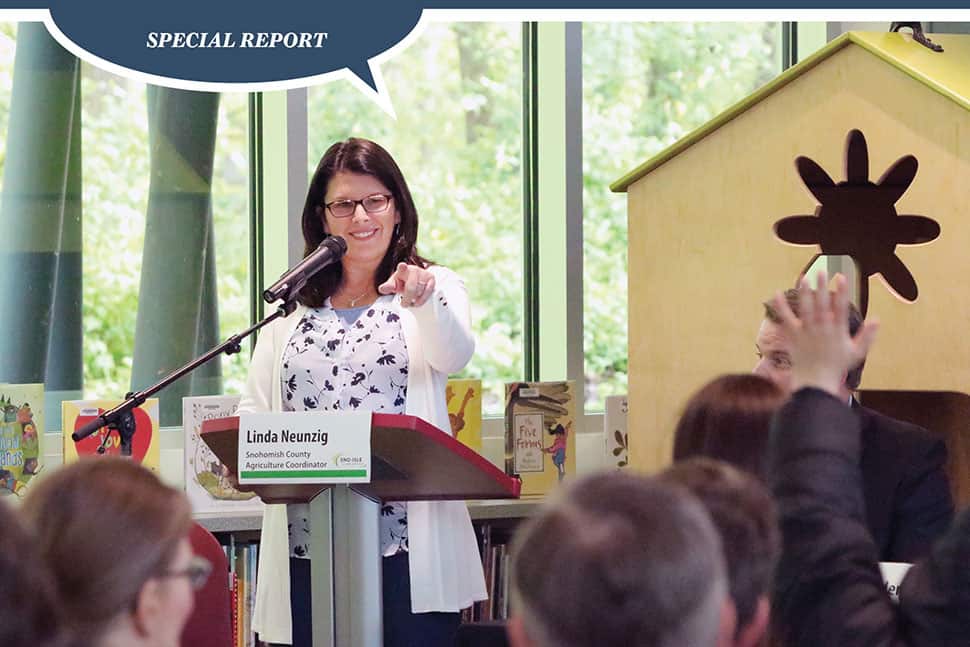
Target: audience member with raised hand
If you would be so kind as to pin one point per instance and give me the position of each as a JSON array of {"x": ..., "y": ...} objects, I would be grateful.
[
  {"x": 117, "y": 542},
  {"x": 828, "y": 586},
  {"x": 907, "y": 496},
  {"x": 620, "y": 559},
  {"x": 30, "y": 613},
  {"x": 744, "y": 513},
  {"x": 823, "y": 350}
]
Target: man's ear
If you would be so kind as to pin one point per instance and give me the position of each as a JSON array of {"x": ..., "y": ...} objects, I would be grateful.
[
  {"x": 729, "y": 622},
  {"x": 515, "y": 629},
  {"x": 148, "y": 608},
  {"x": 751, "y": 635}
]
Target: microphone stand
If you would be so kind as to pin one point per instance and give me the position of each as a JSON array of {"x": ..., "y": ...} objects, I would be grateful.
[{"x": 122, "y": 420}]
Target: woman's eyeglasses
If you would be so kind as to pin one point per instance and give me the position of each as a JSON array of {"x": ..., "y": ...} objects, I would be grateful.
[
  {"x": 197, "y": 571},
  {"x": 372, "y": 204}
]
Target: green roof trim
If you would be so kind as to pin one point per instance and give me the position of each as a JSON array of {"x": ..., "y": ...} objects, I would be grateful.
[{"x": 946, "y": 73}]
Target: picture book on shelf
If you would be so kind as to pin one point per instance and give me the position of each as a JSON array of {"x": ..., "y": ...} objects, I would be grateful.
[
  {"x": 540, "y": 438},
  {"x": 614, "y": 432},
  {"x": 21, "y": 436},
  {"x": 464, "y": 398},
  {"x": 145, "y": 442},
  {"x": 207, "y": 482}
]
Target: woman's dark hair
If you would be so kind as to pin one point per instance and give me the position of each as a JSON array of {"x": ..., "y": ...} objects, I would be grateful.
[
  {"x": 364, "y": 157},
  {"x": 729, "y": 419}
]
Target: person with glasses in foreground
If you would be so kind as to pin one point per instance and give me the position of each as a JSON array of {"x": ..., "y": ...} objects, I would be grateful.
[
  {"x": 379, "y": 331},
  {"x": 828, "y": 587},
  {"x": 117, "y": 542}
]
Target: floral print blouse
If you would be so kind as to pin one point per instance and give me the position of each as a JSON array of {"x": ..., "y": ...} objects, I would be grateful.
[{"x": 343, "y": 360}]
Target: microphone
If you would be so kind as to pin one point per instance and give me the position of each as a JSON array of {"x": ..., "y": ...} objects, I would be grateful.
[
  {"x": 89, "y": 428},
  {"x": 123, "y": 423},
  {"x": 327, "y": 253}
]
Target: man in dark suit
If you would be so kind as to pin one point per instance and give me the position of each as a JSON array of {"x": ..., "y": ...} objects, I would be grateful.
[
  {"x": 907, "y": 496},
  {"x": 828, "y": 588}
]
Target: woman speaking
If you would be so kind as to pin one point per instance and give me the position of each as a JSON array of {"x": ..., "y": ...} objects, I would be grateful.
[{"x": 380, "y": 331}]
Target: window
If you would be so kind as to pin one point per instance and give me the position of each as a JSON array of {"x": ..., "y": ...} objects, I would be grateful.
[
  {"x": 129, "y": 179},
  {"x": 646, "y": 85},
  {"x": 117, "y": 172}
]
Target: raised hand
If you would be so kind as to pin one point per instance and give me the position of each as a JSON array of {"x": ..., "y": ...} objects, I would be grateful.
[
  {"x": 822, "y": 349},
  {"x": 413, "y": 283}
]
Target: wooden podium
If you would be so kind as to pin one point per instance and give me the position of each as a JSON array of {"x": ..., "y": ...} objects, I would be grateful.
[{"x": 411, "y": 460}]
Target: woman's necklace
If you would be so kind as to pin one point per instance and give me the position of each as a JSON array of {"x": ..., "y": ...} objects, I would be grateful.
[{"x": 353, "y": 302}]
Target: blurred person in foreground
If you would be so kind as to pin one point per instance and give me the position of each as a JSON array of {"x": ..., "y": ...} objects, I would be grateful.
[
  {"x": 743, "y": 512},
  {"x": 117, "y": 542},
  {"x": 620, "y": 559},
  {"x": 828, "y": 587},
  {"x": 30, "y": 613},
  {"x": 728, "y": 419}
]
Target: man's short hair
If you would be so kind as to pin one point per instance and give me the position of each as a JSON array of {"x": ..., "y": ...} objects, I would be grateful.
[
  {"x": 620, "y": 559},
  {"x": 854, "y": 377},
  {"x": 743, "y": 511}
]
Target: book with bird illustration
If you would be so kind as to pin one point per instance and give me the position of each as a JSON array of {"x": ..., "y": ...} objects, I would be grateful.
[
  {"x": 540, "y": 438},
  {"x": 21, "y": 435},
  {"x": 207, "y": 482},
  {"x": 464, "y": 399}
]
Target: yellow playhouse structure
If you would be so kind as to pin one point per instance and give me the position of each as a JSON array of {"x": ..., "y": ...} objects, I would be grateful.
[{"x": 703, "y": 248}]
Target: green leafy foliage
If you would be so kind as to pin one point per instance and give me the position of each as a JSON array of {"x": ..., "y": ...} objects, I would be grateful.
[
  {"x": 8, "y": 46},
  {"x": 646, "y": 85}
]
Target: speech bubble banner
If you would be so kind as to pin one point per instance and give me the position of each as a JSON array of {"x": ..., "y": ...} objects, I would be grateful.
[
  {"x": 216, "y": 41},
  {"x": 253, "y": 43}
]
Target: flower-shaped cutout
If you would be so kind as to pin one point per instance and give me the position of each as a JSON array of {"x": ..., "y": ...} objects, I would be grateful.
[{"x": 858, "y": 218}]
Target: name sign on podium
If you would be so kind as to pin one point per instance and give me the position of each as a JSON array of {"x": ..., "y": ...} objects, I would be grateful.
[{"x": 304, "y": 447}]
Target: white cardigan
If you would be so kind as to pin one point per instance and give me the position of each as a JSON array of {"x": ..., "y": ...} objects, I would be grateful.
[{"x": 445, "y": 567}]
